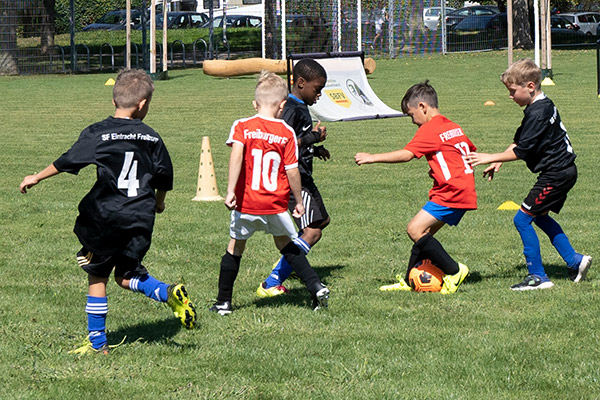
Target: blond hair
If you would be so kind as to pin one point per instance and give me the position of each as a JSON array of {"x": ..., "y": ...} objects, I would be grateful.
[
  {"x": 521, "y": 72},
  {"x": 270, "y": 89},
  {"x": 131, "y": 87}
]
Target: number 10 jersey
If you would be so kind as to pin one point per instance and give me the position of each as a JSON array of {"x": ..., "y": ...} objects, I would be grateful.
[{"x": 270, "y": 148}]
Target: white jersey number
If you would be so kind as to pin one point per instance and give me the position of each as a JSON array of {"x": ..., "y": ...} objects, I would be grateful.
[
  {"x": 463, "y": 147},
  {"x": 128, "y": 177},
  {"x": 265, "y": 167}
]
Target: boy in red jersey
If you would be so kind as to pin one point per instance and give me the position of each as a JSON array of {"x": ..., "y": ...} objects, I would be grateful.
[
  {"x": 263, "y": 168},
  {"x": 445, "y": 147}
]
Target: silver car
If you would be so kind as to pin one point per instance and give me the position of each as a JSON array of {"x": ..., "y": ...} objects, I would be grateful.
[
  {"x": 431, "y": 16},
  {"x": 586, "y": 21}
]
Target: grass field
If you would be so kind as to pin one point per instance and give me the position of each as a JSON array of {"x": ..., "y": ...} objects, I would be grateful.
[{"x": 485, "y": 342}]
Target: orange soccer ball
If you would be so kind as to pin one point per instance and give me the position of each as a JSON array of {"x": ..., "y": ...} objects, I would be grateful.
[{"x": 425, "y": 277}]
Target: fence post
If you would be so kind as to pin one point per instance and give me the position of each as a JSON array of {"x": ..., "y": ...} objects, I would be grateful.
[{"x": 72, "y": 34}]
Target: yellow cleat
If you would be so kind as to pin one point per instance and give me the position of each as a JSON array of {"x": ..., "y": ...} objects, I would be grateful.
[
  {"x": 270, "y": 292},
  {"x": 452, "y": 282},
  {"x": 87, "y": 348},
  {"x": 181, "y": 305},
  {"x": 401, "y": 285}
]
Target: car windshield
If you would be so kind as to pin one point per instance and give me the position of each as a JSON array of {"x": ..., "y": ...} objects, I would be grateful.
[
  {"x": 475, "y": 23},
  {"x": 433, "y": 12},
  {"x": 113, "y": 18}
]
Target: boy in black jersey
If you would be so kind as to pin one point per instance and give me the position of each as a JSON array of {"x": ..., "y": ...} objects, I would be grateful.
[
  {"x": 309, "y": 79},
  {"x": 116, "y": 218},
  {"x": 542, "y": 142}
]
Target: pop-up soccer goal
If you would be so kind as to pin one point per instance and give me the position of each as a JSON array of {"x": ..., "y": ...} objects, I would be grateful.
[{"x": 347, "y": 96}]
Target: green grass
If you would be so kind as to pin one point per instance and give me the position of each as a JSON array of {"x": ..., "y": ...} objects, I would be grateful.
[{"x": 484, "y": 342}]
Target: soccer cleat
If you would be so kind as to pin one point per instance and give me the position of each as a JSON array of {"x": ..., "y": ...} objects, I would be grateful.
[
  {"x": 321, "y": 299},
  {"x": 401, "y": 285},
  {"x": 262, "y": 291},
  {"x": 578, "y": 275},
  {"x": 87, "y": 348},
  {"x": 452, "y": 282},
  {"x": 221, "y": 307},
  {"x": 181, "y": 305},
  {"x": 532, "y": 282}
]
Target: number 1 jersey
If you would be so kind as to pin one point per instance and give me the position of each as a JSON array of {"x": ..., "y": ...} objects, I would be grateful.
[
  {"x": 270, "y": 148},
  {"x": 444, "y": 145},
  {"x": 117, "y": 215}
]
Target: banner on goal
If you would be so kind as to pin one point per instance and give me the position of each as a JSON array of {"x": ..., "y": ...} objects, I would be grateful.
[{"x": 347, "y": 96}]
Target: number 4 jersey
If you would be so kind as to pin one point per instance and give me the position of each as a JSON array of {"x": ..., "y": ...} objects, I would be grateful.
[
  {"x": 117, "y": 215},
  {"x": 270, "y": 148},
  {"x": 444, "y": 145}
]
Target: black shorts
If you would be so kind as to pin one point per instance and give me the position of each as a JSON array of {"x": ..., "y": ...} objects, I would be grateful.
[
  {"x": 313, "y": 204},
  {"x": 550, "y": 191},
  {"x": 102, "y": 266}
]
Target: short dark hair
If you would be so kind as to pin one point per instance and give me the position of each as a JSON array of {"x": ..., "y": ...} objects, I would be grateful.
[
  {"x": 308, "y": 69},
  {"x": 421, "y": 92},
  {"x": 131, "y": 87}
]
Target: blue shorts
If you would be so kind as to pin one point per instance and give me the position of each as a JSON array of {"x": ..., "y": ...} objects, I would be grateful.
[{"x": 451, "y": 216}]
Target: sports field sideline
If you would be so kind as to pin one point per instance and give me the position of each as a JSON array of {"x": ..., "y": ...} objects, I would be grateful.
[{"x": 484, "y": 342}]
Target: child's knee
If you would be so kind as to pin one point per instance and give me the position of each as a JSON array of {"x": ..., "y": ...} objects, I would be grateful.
[
  {"x": 522, "y": 220},
  {"x": 124, "y": 283}
]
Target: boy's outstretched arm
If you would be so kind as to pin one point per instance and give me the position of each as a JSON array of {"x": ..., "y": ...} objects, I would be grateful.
[
  {"x": 398, "y": 156},
  {"x": 235, "y": 167},
  {"x": 160, "y": 201},
  {"x": 31, "y": 180},
  {"x": 495, "y": 160},
  {"x": 293, "y": 176}
]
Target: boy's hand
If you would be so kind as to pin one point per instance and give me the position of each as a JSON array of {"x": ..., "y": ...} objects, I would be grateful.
[
  {"x": 28, "y": 182},
  {"x": 322, "y": 153},
  {"x": 491, "y": 170},
  {"x": 363, "y": 158},
  {"x": 322, "y": 131},
  {"x": 475, "y": 159},
  {"x": 230, "y": 201},
  {"x": 160, "y": 207},
  {"x": 298, "y": 210}
]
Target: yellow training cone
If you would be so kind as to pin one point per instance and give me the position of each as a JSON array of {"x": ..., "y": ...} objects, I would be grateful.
[
  {"x": 207, "y": 182},
  {"x": 489, "y": 103},
  {"x": 509, "y": 205},
  {"x": 547, "y": 82},
  {"x": 110, "y": 82}
]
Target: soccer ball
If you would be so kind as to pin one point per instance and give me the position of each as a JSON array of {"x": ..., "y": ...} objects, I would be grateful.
[{"x": 425, "y": 277}]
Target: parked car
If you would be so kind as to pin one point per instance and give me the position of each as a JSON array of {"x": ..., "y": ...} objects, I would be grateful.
[
  {"x": 586, "y": 21},
  {"x": 431, "y": 16},
  {"x": 454, "y": 17},
  {"x": 491, "y": 32},
  {"x": 114, "y": 20},
  {"x": 562, "y": 31},
  {"x": 180, "y": 20},
  {"x": 478, "y": 32},
  {"x": 235, "y": 21}
]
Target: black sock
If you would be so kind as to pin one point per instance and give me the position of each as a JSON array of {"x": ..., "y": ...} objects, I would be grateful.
[
  {"x": 415, "y": 256},
  {"x": 297, "y": 259},
  {"x": 230, "y": 265},
  {"x": 432, "y": 249}
]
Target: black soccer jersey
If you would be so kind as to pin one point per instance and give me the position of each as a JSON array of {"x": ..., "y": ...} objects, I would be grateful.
[
  {"x": 117, "y": 215},
  {"x": 296, "y": 115},
  {"x": 542, "y": 140}
]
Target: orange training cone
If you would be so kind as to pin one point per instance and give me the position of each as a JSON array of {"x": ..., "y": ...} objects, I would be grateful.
[{"x": 207, "y": 182}]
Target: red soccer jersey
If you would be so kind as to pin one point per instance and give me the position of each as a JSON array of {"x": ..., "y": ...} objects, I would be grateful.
[
  {"x": 444, "y": 145},
  {"x": 270, "y": 148}
]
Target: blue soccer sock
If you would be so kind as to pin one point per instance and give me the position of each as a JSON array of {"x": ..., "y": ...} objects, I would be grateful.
[
  {"x": 283, "y": 269},
  {"x": 559, "y": 240},
  {"x": 150, "y": 286},
  {"x": 96, "y": 309},
  {"x": 531, "y": 244}
]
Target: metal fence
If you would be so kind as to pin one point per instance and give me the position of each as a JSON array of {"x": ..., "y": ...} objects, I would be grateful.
[{"x": 34, "y": 34}]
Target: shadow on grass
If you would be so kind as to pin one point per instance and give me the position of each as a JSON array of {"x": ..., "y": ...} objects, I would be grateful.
[
  {"x": 149, "y": 332},
  {"x": 554, "y": 271},
  {"x": 298, "y": 296}
]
